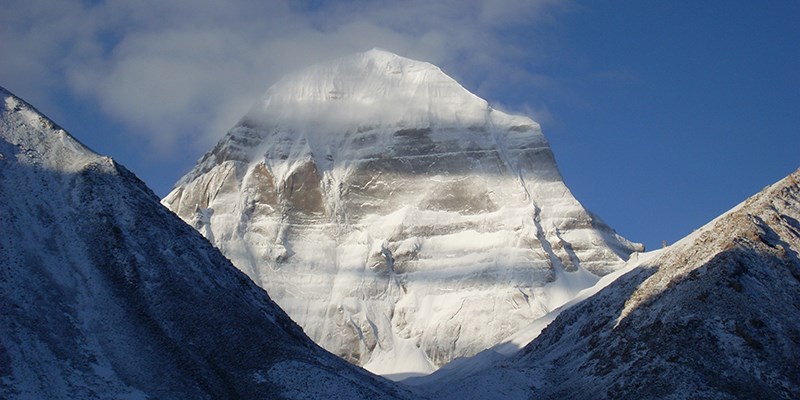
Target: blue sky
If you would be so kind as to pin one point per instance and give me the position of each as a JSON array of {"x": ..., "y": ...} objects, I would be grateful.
[{"x": 662, "y": 115}]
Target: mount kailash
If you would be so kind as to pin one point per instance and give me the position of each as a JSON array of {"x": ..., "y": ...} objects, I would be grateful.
[{"x": 394, "y": 215}]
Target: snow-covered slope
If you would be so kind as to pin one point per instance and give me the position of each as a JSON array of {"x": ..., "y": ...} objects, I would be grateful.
[
  {"x": 394, "y": 215},
  {"x": 106, "y": 294},
  {"x": 713, "y": 316},
  {"x": 510, "y": 346}
]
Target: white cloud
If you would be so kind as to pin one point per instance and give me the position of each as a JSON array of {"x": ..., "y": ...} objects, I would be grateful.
[{"x": 184, "y": 71}]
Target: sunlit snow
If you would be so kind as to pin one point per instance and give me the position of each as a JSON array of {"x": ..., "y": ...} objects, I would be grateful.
[{"x": 397, "y": 217}]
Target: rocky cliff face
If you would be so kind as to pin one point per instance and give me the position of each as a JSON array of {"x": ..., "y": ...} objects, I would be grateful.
[
  {"x": 395, "y": 216},
  {"x": 106, "y": 294},
  {"x": 712, "y": 317}
]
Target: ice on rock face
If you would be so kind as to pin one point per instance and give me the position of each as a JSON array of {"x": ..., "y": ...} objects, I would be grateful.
[{"x": 381, "y": 204}]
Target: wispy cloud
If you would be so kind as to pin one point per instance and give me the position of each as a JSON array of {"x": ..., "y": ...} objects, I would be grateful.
[{"x": 184, "y": 71}]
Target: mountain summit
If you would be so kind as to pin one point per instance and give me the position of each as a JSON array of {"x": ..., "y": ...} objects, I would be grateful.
[
  {"x": 397, "y": 217},
  {"x": 370, "y": 89}
]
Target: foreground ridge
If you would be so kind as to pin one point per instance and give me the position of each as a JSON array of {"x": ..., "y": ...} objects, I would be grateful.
[
  {"x": 104, "y": 293},
  {"x": 712, "y": 316}
]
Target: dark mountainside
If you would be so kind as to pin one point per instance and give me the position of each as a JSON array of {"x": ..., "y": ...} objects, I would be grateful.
[
  {"x": 712, "y": 317},
  {"x": 104, "y": 293}
]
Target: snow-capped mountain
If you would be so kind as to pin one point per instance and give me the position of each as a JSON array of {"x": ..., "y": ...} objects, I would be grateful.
[
  {"x": 394, "y": 215},
  {"x": 104, "y": 293},
  {"x": 713, "y": 316}
]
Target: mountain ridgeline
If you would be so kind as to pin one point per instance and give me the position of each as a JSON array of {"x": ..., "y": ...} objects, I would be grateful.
[{"x": 402, "y": 223}]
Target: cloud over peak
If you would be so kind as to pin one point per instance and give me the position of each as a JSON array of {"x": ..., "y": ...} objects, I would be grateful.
[{"x": 184, "y": 71}]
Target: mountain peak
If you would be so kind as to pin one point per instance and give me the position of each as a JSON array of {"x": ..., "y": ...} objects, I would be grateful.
[
  {"x": 393, "y": 214},
  {"x": 44, "y": 141},
  {"x": 380, "y": 55},
  {"x": 375, "y": 88}
]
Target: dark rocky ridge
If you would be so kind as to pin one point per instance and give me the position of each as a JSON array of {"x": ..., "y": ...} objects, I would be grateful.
[
  {"x": 104, "y": 293},
  {"x": 712, "y": 317}
]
